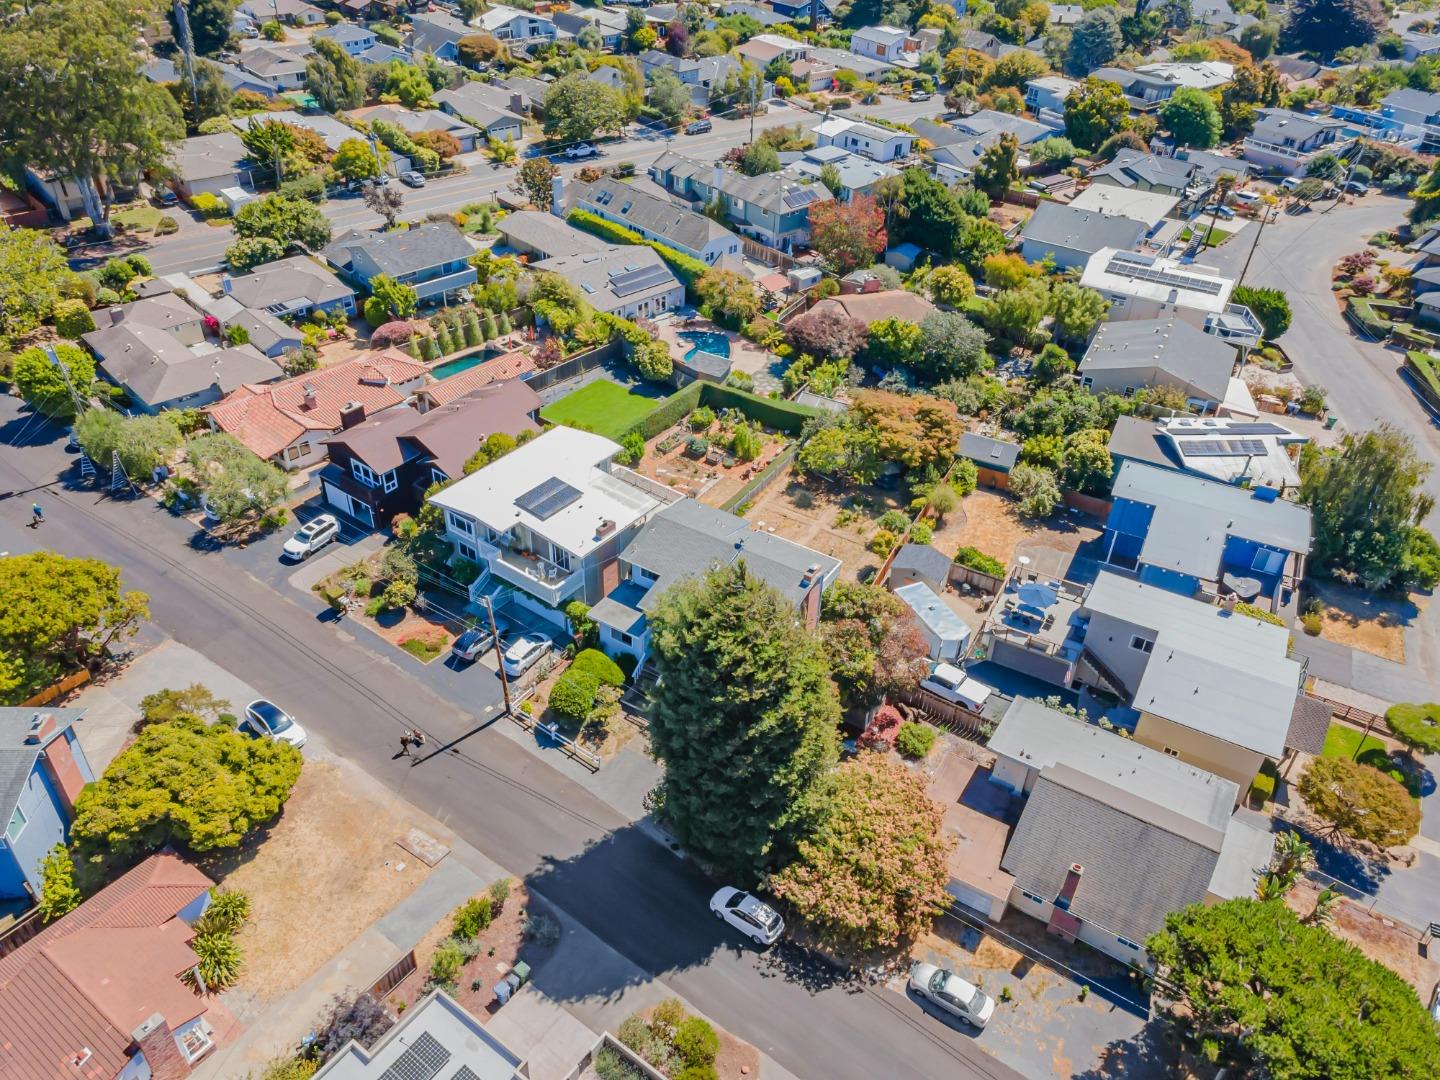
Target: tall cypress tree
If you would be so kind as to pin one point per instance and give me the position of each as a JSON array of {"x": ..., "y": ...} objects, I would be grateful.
[{"x": 745, "y": 719}]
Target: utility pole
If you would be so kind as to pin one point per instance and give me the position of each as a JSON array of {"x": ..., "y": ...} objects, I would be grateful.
[
  {"x": 1264, "y": 220},
  {"x": 754, "y": 97},
  {"x": 499, "y": 653},
  {"x": 187, "y": 44}
]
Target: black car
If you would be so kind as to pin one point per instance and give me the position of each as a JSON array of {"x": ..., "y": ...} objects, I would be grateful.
[{"x": 698, "y": 127}]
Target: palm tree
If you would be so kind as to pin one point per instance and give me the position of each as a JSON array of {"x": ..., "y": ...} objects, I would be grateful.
[
  {"x": 1293, "y": 856},
  {"x": 269, "y": 141}
]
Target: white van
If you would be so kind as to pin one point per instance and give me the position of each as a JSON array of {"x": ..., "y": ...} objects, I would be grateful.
[{"x": 952, "y": 684}]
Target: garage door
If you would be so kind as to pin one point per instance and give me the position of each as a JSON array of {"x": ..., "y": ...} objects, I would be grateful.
[{"x": 346, "y": 505}]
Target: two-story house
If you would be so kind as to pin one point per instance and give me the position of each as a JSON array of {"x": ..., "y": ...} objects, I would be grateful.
[
  {"x": 859, "y": 137},
  {"x": 352, "y": 37},
  {"x": 293, "y": 287},
  {"x": 546, "y": 523},
  {"x": 101, "y": 993},
  {"x": 383, "y": 466},
  {"x": 1285, "y": 141},
  {"x": 1140, "y": 285},
  {"x": 764, "y": 49},
  {"x": 512, "y": 24},
  {"x": 1045, "y": 97},
  {"x": 773, "y": 207},
  {"x": 858, "y": 175},
  {"x": 610, "y": 22},
  {"x": 1189, "y": 534},
  {"x": 888, "y": 43},
  {"x": 1125, "y": 356},
  {"x": 45, "y": 768},
  {"x": 652, "y": 217},
  {"x": 433, "y": 259},
  {"x": 686, "y": 539},
  {"x": 627, "y": 280},
  {"x": 280, "y": 69},
  {"x": 699, "y": 73},
  {"x": 1069, "y": 237},
  {"x": 438, "y": 33}
]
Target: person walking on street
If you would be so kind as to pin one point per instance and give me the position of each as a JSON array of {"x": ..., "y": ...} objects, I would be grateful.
[
  {"x": 413, "y": 738},
  {"x": 37, "y": 516}
]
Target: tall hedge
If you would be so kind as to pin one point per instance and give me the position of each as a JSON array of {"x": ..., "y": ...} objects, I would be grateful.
[{"x": 686, "y": 268}]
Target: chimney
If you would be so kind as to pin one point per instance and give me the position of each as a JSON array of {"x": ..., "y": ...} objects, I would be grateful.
[
  {"x": 156, "y": 1042},
  {"x": 117, "y": 315},
  {"x": 1063, "y": 924},
  {"x": 1072, "y": 883},
  {"x": 810, "y": 572},
  {"x": 352, "y": 414},
  {"x": 606, "y": 528},
  {"x": 717, "y": 178},
  {"x": 309, "y": 401},
  {"x": 41, "y": 725},
  {"x": 557, "y": 195}
]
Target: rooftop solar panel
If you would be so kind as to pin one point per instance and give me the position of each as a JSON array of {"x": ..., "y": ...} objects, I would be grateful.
[
  {"x": 547, "y": 499},
  {"x": 423, "y": 1060},
  {"x": 796, "y": 199},
  {"x": 632, "y": 281},
  {"x": 1144, "y": 272}
]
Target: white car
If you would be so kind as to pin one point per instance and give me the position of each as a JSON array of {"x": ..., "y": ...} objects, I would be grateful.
[
  {"x": 751, "y": 916},
  {"x": 411, "y": 178},
  {"x": 580, "y": 151},
  {"x": 524, "y": 653},
  {"x": 266, "y": 720},
  {"x": 952, "y": 684},
  {"x": 1245, "y": 198},
  {"x": 315, "y": 534},
  {"x": 953, "y": 994}
]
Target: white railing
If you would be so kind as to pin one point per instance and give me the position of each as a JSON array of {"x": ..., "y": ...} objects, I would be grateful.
[{"x": 537, "y": 576}]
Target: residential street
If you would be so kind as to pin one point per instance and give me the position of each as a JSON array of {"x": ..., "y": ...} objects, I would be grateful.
[
  {"x": 585, "y": 858},
  {"x": 199, "y": 246}
]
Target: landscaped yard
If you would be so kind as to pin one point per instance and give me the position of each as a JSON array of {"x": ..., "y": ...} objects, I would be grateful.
[
  {"x": 1344, "y": 741},
  {"x": 603, "y": 406}
]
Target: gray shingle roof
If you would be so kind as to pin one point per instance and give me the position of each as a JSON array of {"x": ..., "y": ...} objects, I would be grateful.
[
  {"x": 1164, "y": 347},
  {"x": 1131, "y": 167},
  {"x": 1309, "y": 723},
  {"x": 991, "y": 453},
  {"x": 17, "y": 758},
  {"x": 1057, "y": 226},
  {"x": 987, "y": 120},
  {"x": 676, "y": 225},
  {"x": 925, "y": 562},
  {"x": 295, "y": 278},
  {"x": 687, "y": 538},
  {"x": 403, "y": 252},
  {"x": 596, "y": 274}
]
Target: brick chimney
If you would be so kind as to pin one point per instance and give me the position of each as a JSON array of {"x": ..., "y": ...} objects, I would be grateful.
[
  {"x": 117, "y": 315},
  {"x": 1062, "y": 923},
  {"x": 157, "y": 1042},
  {"x": 352, "y": 414},
  {"x": 309, "y": 401}
]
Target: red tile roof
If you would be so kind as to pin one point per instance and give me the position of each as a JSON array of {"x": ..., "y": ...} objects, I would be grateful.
[
  {"x": 268, "y": 417},
  {"x": 511, "y": 365},
  {"x": 89, "y": 979}
]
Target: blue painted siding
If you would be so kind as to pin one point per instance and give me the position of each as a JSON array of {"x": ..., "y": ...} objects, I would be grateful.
[
  {"x": 78, "y": 753},
  {"x": 1124, "y": 547},
  {"x": 1169, "y": 580},
  {"x": 1130, "y": 518},
  {"x": 45, "y": 826}
]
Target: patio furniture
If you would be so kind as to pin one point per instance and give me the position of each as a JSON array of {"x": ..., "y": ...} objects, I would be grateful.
[
  {"x": 1038, "y": 596},
  {"x": 1246, "y": 588}
]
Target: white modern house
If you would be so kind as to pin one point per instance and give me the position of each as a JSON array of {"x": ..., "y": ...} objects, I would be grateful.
[
  {"x": 1141, "y": 286},
  {"x": 859, "y": 137},
  {"x": 547, "y": 521}
]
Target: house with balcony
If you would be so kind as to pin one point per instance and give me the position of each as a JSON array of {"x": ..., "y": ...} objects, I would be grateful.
[
  {"x": 512, "y": 24},
  {"x": 382, "y": 466},
  {"x": 433, "y": 259},
  {"x": 1045, "y": 97},
  {"x": 651, "y": 216},
  {"x": 860, "y": 137},
  {"x": 858, "y": 175},
  {"x": 886, "y": 43},
  {"x": 610, "y": 22},
  {"x": 44, "y": 772},
  {"x": 1145, "y": 286},
  {"x": 763, "y": 49},
  {"x": 1286, "y": 142},
  {"x": 546, "y": 523},
  {"x": 100, "y": 993},
  {"x": 1112, "y": 835},
  {"x": 1193, "y": 535},
  {"x": 688, "y": 538},
  {"x": 773, "y": 208}
]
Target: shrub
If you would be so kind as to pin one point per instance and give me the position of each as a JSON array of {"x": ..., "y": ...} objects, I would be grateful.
[
  {"x": 596, "y": 663},
  {"x": 697, "y": 1072},
  {"x": 915, "y": 740},
  {"x": 398, "y": 594},
  {"x": 166, "y": 225},
  {"x": 227, "y": 912},
  {"x": 696, "y": 1042},
  {"x": 219, "y": 960},
  {"x": 610, "y": 1065},
  {"x": 574, "y": 693},
  {"x": 668, "y": 1015},
  {"x": 894, "y": 520},
  {"x": 498, "y": 893},
  {"x": 1259, "y": 613},
  {"x": 73, "y": 318},
  {"x": 446, "y": 963},
  {"x": 921, "y": 533},
  {"x": 1036, "y": 488},
  {"x": 633, "y": 1031},
  {"x": 472, "y": 917},
  {"x": 391, "y": 334},
  {"x": 976, "y": 559},
  {"x": 702, "y": 418},
  {"x": 883, "y": 542},
  {"x": 880, "y": 735},
  {"x": 1312, "y": 623}
]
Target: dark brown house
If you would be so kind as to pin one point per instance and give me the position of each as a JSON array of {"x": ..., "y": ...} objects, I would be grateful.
[{"x": 382, "y": 466}]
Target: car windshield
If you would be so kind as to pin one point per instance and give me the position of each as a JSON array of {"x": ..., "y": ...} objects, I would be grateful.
[
  {"x": 940, "y": 983},
  {"x": 272, "y": 717}
]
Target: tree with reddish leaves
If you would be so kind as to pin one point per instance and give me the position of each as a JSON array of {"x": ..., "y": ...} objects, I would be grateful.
[
  {"x": 677, "y": 39},
  {"x": 847, "y": 235},
  {"x": 828, "y": 332}
]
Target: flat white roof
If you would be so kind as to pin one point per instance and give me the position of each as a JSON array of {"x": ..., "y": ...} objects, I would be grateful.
[
  {"x": 436, "y": 1031},
  {"x": 933, "y": 612},
  {"x": 579, "y": 459},
  {"x": 1147, "y": 206},
  {"x": 1152, "y": 277}
]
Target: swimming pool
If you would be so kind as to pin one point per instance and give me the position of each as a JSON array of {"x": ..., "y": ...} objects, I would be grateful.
[
  {"x": 710, "y": 341},
  {"x": 465, "y": 363}
]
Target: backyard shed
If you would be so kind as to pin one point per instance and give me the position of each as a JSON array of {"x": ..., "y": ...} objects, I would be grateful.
[{"x": 944, "y": 631}]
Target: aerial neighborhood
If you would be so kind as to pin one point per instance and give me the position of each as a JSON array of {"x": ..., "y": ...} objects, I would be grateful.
[{"x": 702, "y": 541}]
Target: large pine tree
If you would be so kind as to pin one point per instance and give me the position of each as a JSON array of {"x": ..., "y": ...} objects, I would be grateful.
[{"x": 745, "y": 719}]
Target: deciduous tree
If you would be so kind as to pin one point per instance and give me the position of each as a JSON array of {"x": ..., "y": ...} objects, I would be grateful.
[
  {"x": 874, "y": 876},
  {"x": 535, "y": 181},
  {"x": 873, "y": 643},
  {"x": 58, "y": 894},
  {"x": 577, "y": 109},
  {"x": 355, "y": 160},
  {"x": 143, "y": 442},
  {"x": 847, "y": 235},
  {"x": 54, "y": 389},
  {"x": 1359, "y": 801},
  {"x": 1094, "y": 111},
  {"x": 730, "y": 295},
  {"x": 744, "y": 719},
  {"x": 211, "y": 24},
  {"x": 827, "y": 331},
  {"x": 1192, "y": 118},
  {"x": 32, "y": 269},
  {"x": 1260, "y": 993},
  {"x": 287, "y": 221},
  {"x": 1327, "y": 26},
  {"x": 915, "y": 430},
  {"x": 950, "y": 285},
  {"x": 235, "y": 482},
  {"x": 387, "y": 200}
]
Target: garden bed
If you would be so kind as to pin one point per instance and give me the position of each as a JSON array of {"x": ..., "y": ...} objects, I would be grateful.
[
  {"x": 425, "y": 635},
  {"x": 837, "y": 519},
  {"x": 694, "y": 457}
]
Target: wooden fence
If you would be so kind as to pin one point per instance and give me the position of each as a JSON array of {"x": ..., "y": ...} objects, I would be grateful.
[
  {"x": 24, "y": 928},
  {"x": 766, "y": 254},
  {"x": 950, "y": 715},
  {"x": 64, "y": 686},
  {"x": 398, "y": 972},
  {"x": 976, "y": 579}
]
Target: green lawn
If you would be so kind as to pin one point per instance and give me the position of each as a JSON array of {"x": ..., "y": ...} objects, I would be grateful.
[
  {"x": 1343, "y": 741},
  {"x": 604, "y": 407}
]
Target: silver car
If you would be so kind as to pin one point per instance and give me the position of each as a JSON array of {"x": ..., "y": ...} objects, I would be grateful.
[
  {"x": 953, "y": 994},
  {"x": 524, "y": 653}
]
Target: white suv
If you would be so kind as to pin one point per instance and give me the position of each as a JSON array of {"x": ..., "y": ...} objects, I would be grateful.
[
  {"x": 524, "y": 653},
  {"x": 952, "y": 993},
  {"x": 315, "y": 534},
  {"x": 752, "y": 917}
]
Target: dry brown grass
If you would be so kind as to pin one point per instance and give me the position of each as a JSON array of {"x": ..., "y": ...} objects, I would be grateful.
[
  {"x": 1381, "y": 939},
  {"x": 781, "y": 509},
  {"x": 1364, "y": 621}
]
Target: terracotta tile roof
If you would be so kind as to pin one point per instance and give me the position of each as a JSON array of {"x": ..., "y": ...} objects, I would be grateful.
[
  {"x": 269, "y": 417},
  {"x": 511, "y": 365},
  {"x": 89, "y": 979}
]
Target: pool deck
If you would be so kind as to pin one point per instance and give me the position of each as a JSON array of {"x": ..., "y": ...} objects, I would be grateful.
[{"x": 745, "y": 355}]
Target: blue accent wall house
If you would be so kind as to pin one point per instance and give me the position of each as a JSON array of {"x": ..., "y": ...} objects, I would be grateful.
[{"x": 42, "y": 769}]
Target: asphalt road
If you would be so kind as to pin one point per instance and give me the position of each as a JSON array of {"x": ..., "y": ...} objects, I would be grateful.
[
  {"x": 200, "y": 246},
  {"x": 576, "y": 852}
]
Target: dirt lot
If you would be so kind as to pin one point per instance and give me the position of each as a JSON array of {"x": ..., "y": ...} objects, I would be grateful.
[
  {"x": 1375, "y": 936},
  {"x": 837, "y": 520},
  {"x": 988, "y": 520},
  {"x": 331, "y": 841},
  {"x": 1361, "y": 620}
]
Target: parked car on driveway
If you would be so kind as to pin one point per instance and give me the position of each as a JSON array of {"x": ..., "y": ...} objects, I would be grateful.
[
  {"x": 953, "y": 994},
  {"x": 314, "y": 535},
  {"x": 750, "y": 915},
  {"x": 524, "y": 653},
  {"x": 952, "y": 684},
  {"x": 476, "y": 640},
  {"x": 1215, "y": 208},
  {"x": 411, "y": 178},
  {"x": 266, "y": 720}
]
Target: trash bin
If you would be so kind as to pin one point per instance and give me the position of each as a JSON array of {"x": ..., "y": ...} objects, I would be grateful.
[
  {"x": 521, "y": 971},
  {"x": 503, "y": 990},
  {"x": 1331, "y": 421}
]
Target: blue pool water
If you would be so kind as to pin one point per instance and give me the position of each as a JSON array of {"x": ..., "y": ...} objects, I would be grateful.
[
  {"x": 465, "y": 363},
  {"x": 709, "y": 341}
]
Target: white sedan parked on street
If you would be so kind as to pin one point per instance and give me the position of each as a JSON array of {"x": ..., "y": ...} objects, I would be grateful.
[
  {"x": 953, "y": 994},
  {"x": 751, "y": 916},
  {"x": 266, "y": 720}
]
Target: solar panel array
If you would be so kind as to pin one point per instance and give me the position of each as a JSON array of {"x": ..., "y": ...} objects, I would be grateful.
[
  {"x": 1255, "y": 429},
  {"x": 547, "y": 499},
  {"x": 1222, "y": 447},
  {"x": 1145, "y": 272},
  {"x": 629, "y": 281},
  {"x": 465, "y": 1073},
  {"x": 423, "y": 1060},
  {"x": 798, "y": 198}
]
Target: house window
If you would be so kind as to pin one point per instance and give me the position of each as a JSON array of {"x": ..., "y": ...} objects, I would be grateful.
[
  {"x": 437, "y": 476},
  {"x": 391, "y": 481},
  {"x": 1087, "y": 382},
  {"x": 459, "y": 524},
  {"x": 465, "y": 551},
  {"x": 16, "y": 826},
  {"x": 1129, "y": 391},
  {"x": 1172, "y": 751},
  {"x": 646, "y": 575},
  {"x": 560, "y": 557},
  {"x": 1140, "y": 644},
  {"x": 364, "y": 473},
  {"x": 1128, "y": 943},
  {"x": 622, "y": 637},
  {"x": 1032, "y": 897},
  {"x": 194, "y": 1039}
]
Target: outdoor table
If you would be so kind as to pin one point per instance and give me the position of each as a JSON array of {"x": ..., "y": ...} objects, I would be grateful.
[
  {"x": 1035, "y": 595},
  {"x": 1244, "y": 587}
]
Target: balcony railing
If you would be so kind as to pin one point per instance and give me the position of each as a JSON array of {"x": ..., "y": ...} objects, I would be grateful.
[
  {"x": 435, "y": 286},
  {"x": 535, "y": 574},
  {"x": 1237, "y": 323}
]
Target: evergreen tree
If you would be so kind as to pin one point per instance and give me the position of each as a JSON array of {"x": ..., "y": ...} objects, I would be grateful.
[
  {"x": 473, "y": 334},
  {"x": 505, "y": 325},
  {"x": 446, "y": 340},
  {"x": 490, "y": 330},
  {"x": 745, "y": 719}
]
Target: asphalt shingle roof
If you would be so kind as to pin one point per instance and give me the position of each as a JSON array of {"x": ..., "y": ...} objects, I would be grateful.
[{"x": 1057, "y": 226}]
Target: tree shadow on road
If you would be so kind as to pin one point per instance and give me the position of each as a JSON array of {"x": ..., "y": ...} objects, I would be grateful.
[{"x": 1149, "y": 1053}]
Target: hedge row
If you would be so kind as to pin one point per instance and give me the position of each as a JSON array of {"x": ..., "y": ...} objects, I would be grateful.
[
  {"x": 687, "y": 269},
  {"x": 1423, "y": 367},
  {"x": 669, "y": 412},
  {"x": 784, "y": 416},
  {"x": 975, "y": 559}
]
